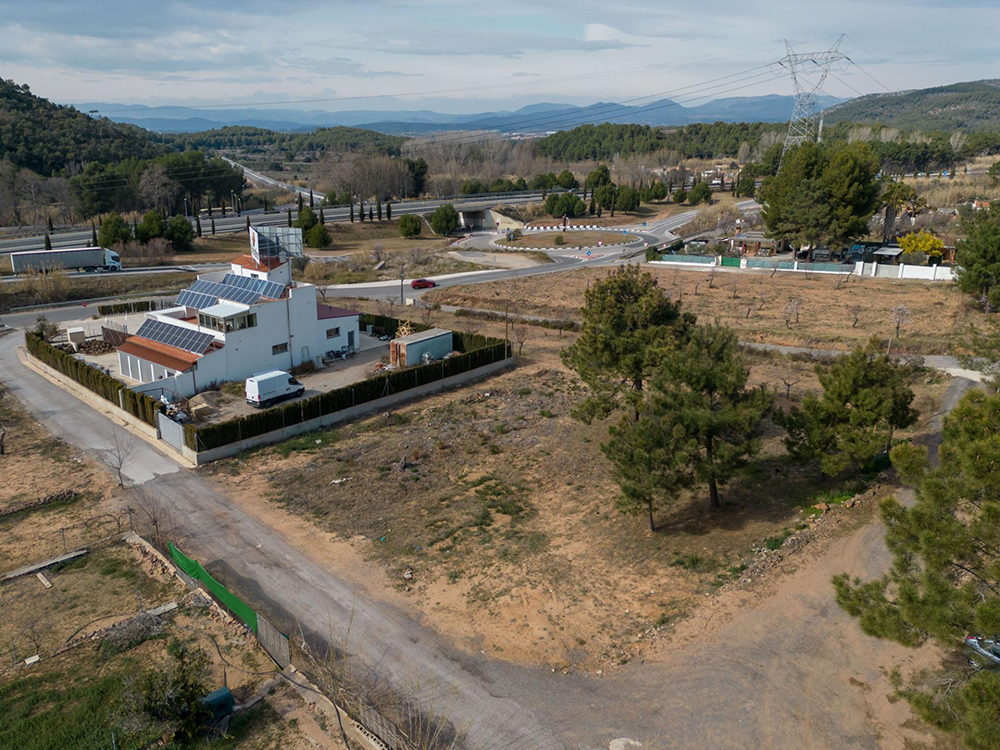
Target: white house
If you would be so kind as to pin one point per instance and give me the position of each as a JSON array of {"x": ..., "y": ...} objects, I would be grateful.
[{"x": 229, "y": 326}]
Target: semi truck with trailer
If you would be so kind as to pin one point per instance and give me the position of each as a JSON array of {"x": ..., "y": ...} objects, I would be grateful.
[{"x": 87, "y": 259}]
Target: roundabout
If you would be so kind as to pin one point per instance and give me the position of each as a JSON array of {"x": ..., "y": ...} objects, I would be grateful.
[{"x": 570, "y": 240}]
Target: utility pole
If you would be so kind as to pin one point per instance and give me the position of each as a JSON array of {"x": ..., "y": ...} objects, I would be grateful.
[
  {"x": 803, "y": 125},
  {"x": 402, "y": 302}
]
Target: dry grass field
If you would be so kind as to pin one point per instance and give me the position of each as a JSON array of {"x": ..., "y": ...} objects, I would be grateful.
[
  {"x": 760, "y": 306},
  {"x": 491, "y": 512}
]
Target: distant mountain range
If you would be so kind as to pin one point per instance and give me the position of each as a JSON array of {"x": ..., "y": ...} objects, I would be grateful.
[
  {"x": 971, "y": 106},
  {"x": 532, "y": 119}
]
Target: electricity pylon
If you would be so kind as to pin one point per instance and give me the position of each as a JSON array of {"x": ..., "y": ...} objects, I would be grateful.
[{"x": 804, "y": 124}]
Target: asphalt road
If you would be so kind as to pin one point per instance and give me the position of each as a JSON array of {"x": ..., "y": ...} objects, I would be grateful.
[{"x": 779, "y": 673}]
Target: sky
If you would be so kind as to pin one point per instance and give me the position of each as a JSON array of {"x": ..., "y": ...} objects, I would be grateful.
[{"x": 463, "y": 57}]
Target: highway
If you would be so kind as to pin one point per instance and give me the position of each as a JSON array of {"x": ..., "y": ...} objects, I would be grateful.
[{"x": 278, "y": 217}]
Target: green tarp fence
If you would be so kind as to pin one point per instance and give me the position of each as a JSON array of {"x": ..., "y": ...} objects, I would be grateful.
[{"x": 230, "y": 601}]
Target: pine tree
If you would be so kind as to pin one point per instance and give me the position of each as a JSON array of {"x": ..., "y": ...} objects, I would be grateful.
[
  {"x": 627, "y": 320},
  {"x": 223, "y": 206},
  {"x": 197, "y": 225},
  {"x": 592, "y": 208},
  {"x": 701, "y": 400},
  {"x": 388, "y": 211},
  {"x": 944, "y": 581},
  {"x": 361, "y": 211},
  {"x": 48, "y": 241},
  {"x": 866, "y": 397}
]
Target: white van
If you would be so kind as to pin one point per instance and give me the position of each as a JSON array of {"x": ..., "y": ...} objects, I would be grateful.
[{"x": 264, "y": 389}]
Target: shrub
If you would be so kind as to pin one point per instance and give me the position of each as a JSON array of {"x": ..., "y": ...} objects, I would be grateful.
[
  {"x": 410, "y": 226},
  {"x": 318, "y": 236},
  {"x": 445, "y": 219}
]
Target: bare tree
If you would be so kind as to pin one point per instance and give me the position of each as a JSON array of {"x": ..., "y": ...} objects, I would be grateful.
[
  {"x": 521, "y": 332},
  {"x": 158, "y": 189},
  {"x": 146, "y": 513},
  {"x": 792, "y": 312},
  {"x": 794, "y": 378},
  {"x": 119, "y": 453},
  {"x": 855, "y": 311},
  {"x": 378, "y": 253},
  {"x": 900, "y": 317},
  {"x": 471, "y": 325}
]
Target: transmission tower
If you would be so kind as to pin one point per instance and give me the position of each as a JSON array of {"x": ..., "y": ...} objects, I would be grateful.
[{"x": 804, "y": 125}]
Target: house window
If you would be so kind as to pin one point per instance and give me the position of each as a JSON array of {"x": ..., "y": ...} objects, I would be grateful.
[
  {"x": 332, "y": 333},
  {"x": 279, "y": 349}
]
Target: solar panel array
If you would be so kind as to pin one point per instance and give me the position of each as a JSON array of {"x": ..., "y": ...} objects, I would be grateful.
[
  {"x": 270, "y": 289},
  {"x": 197, "y": 300},
  {"x": 182, "y": 338},
  {"x": 226, "y": 291}
]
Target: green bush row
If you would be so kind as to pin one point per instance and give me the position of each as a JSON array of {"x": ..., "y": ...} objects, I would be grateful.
[
  {"x": 138, "y": 405},
  {"x": 125, "y": 308},
  {"x": 477, "y": 351}
]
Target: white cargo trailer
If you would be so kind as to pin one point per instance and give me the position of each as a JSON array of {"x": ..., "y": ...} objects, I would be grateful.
[{"x": 83, "y": 258}]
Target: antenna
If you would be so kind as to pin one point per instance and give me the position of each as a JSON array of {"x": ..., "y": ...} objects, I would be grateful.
[{"x": 803, "y": 125}]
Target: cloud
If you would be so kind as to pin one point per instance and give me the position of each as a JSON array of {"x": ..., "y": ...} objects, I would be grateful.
[
  {"x": 466, "y": 43},
  {"x": 524, "y": 74}
]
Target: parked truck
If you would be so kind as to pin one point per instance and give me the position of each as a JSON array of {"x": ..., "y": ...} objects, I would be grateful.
[{"x": 87, "y": 259}]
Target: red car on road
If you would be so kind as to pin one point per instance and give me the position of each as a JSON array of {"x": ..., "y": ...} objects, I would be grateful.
[{"x": 422, "y": 284}]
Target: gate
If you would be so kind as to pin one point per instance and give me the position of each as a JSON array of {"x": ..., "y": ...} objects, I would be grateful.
[
  {"x": 170, "y": 431},
  {"x": 273, "y": 642},
  {"x": 731, "y": 262}
]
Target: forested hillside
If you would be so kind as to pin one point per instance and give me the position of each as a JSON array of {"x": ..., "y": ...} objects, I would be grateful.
[
  {"x": 261, "y": 140},
  {"x": 973, "y": 105},
  {"x": 48, "y": 138}
]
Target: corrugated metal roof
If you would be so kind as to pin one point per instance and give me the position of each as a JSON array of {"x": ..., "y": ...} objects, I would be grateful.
[
  {"x": 225, "y": 309},
  {"x": 433, "y": 333}
]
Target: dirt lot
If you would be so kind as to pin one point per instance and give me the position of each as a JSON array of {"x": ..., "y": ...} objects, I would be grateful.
[
  {"x": 568, "y": 239},
  {"x": 493, "y": 511},
  {"x": 106, "y": 587},
  {"x": 757, "y": 305}
]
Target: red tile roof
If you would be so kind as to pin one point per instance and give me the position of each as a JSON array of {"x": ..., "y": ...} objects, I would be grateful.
[
  {"x": 247, "y": 261},
  {"x": 161, "y": 354},
  {"x": 326, "y": 311}
]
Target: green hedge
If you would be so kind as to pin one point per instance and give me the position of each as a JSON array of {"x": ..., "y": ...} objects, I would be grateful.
[
  {"x": 139, "y": 405},
  {"x": 477, "y": 351},
  {"x": 124, "y": 308}
]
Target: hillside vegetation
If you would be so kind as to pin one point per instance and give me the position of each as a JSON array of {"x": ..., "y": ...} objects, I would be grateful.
[
  {"x": 260, "y": 140},
  {"x": 48, "y": 138},
  {"x": 973, "y": 105}
]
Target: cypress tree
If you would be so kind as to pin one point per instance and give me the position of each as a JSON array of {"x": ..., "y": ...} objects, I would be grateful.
[
  {"x": 265, "y": 204},
  {"x": 223, "y": 208},
  {"x": 48, "y": 223},
  {"x": 379, "y": 204},
  {"x": 288, "y": 213},
  {"x": 388, "y": 211},
  {"x": 248, "y": 225},
  {"x": 135, "y": 229},
  {"x": 311, "y": 204},
  {"x": 352, "y": 212},
  {"x": 322, "y": 218},
  {"x": 93, "y": 234},
  {"x": 48, "y": 241},
  {"x": 592, "y": 206},
  {"x": 197, "y": 225},
  {"x": 370, "y": 214},
  {"x": 300, "y": 201},
  {"x": 361, "y": 211},
  {"x": 213, "y": 226}
]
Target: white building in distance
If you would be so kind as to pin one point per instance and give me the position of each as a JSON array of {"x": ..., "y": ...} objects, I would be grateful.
[{"x": 229, "y": 326}]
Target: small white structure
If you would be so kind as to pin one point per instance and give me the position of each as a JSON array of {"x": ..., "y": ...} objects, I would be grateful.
[{"x": 229, "y": 326}]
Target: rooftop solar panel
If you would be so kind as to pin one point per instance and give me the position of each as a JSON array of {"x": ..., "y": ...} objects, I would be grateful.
[
  {"x": 178, "y": 336},
  {"x": 265, "y": 288},
  {"x": 197, "y": 300}
]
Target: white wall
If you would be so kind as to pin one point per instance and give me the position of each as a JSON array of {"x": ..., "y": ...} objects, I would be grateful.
[{"x": 346, "y": 325}]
